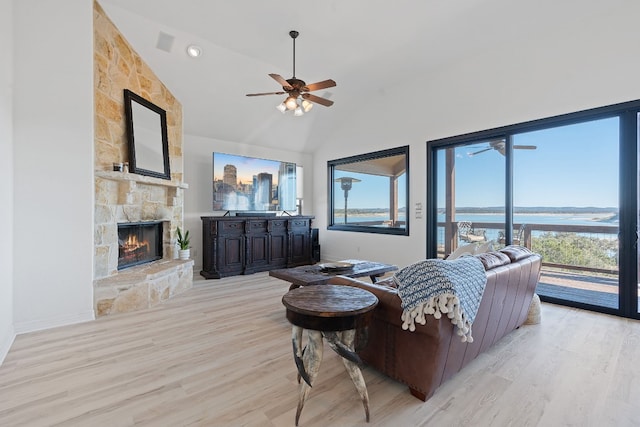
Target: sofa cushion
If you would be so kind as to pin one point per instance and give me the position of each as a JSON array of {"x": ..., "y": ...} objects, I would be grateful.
[
  {"x": 515, "y": 252},
  {"x": 493, "y": 259},
  {"x": 465, "y": 250},
  {"x": 472, "y": 249},
  {"x": 485, "y": 247}
]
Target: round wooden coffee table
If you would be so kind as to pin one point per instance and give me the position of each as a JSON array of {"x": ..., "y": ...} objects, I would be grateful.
[{"x": 334, "y": 313}]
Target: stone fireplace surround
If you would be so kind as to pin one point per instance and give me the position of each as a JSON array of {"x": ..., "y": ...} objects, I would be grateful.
[
  {"x": 124, "y": 197},
  {"x": 127, "y": 197}
]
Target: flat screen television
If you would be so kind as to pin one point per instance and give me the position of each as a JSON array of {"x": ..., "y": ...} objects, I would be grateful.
[{"x": 250, "y": 184}]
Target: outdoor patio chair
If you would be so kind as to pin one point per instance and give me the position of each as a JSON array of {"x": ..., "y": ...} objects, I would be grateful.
[
  {"x": 468, "y": 234},
  {"x": 518, "y": 236}
]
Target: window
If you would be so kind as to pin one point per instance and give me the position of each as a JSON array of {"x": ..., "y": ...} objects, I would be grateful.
[{"x": 370, "y": 192}]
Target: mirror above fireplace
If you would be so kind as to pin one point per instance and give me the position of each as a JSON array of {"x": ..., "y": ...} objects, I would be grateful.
[{"x": 147, "y": 137}]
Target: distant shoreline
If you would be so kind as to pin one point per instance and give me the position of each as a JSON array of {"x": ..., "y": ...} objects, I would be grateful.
[{"x": 544, "y": 210}]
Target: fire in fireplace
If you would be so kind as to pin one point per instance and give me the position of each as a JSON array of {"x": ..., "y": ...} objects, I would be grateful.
[{"x": 139, "y": 243}]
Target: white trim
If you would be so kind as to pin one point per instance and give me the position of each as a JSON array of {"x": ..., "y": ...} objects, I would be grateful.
[
  {"x": 38, "y": 325},
  {"x": 6, "y": 346}
]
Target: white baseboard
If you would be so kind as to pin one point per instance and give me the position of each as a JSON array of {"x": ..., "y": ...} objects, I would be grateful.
[
  {"x": 6, "y": 343},
  {"x": 54, "y": 322}
]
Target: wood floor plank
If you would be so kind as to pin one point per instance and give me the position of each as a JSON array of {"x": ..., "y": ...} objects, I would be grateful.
[{"x": 220, "y": 355}]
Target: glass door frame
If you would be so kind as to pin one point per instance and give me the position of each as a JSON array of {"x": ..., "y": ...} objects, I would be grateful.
[{"x": 628, "y": 114}]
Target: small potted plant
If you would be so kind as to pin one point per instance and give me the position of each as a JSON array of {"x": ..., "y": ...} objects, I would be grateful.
[{"x": 183, "y": 243}]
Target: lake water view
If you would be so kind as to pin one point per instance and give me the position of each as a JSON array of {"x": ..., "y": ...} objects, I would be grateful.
[
  {"x": 570, "y": 218},
  {"x": 590, "y": 218},
  {"x": 600, "y": 218}
]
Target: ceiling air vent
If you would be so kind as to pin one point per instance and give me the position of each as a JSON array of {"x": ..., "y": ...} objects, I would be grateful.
[{"x": 165, "y": 41}]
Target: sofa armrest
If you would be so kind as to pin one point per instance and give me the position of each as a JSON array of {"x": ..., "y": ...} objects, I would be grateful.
[{"x": 389, "y": 305}]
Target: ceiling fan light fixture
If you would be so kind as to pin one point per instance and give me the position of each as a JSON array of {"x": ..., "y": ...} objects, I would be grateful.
[
  {"x": 298, "y": 112},
  {"x": 291, "y": 103},
  {"x": 306, "y": 105},
  {"x": 299, "y": 99}
]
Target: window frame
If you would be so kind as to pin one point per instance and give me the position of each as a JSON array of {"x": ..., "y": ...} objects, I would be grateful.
[{"x": 331, "y": 167}]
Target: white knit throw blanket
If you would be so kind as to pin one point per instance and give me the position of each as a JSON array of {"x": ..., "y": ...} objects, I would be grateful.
[{"x": 436, "y": 287}]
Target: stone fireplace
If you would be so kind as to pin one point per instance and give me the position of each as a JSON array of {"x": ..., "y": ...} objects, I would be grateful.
[{"x": 123, "y": 199}]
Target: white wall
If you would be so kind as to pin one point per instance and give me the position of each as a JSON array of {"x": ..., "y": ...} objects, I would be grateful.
[
  {"x": 6, "y": 178},
  {"x": 53, "y": 163},
  {"x": 591, "y": 64},
  {"x": 198, "y": 173},
  {"x": 376, "y": 128}
]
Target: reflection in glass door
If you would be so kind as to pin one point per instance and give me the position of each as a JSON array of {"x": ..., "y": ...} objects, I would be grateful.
[{"x": 470, "y": 197}]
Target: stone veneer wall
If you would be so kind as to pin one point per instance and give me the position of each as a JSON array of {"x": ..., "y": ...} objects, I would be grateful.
[{"x": 124, "y": 197}]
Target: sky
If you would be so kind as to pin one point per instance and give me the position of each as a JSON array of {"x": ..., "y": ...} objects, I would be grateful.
[
  {"x": 574, "y": 165},
  {"x": 371, "y": 192}
]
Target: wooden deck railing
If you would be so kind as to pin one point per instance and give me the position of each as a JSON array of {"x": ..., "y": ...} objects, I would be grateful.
[{"x": 451, "y": 241}]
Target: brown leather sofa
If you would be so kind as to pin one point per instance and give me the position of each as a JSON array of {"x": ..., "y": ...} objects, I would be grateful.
[{"x": 433, "y": 353}]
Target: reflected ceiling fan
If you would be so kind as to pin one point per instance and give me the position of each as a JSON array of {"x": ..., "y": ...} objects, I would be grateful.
[
  {"x": 299, "y": 99},
  {"x": 500, "y": 146}
]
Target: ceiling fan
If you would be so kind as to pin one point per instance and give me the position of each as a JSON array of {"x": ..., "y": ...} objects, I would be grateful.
[
  {"x": 299, "y": 99},
  {"x": 500, "y": 146}
]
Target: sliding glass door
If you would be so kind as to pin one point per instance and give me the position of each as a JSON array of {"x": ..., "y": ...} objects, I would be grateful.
[
  {"x": 565, "y": 187},
  {"x": 565, "y": 195}
]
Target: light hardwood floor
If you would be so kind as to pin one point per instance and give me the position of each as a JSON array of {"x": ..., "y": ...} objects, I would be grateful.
[{"x": 220, "y": 355}]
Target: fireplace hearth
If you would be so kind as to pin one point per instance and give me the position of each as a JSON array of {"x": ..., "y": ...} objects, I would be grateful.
[{"x": 139, "y": 243}]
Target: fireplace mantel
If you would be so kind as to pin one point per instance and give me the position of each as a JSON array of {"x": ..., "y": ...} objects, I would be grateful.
[
  {"x": 133, "y": 177},
  {"x": 129, "y": 182}
]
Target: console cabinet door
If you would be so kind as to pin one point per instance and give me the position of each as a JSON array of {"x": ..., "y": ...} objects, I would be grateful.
[
  {"x": 299, "y": 242},
  {"x": 231, "y": 248},
  {"x": 257, "y": 256},
  {"x": 278, "y": 243}
]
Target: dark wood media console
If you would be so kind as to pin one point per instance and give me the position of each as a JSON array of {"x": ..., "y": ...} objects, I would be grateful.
[{"x": 245, "y": 245}]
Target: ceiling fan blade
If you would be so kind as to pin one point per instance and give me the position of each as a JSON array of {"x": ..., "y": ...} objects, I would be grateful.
[
  {"x": 266, "y": 93},
  {"x": 525, "y": 147},
  {"x": 277, "y": 77},
  {"x": 478, "y": 152},
  {"x": 319, "y": 85},
  {"x": 317, "y": 99}
]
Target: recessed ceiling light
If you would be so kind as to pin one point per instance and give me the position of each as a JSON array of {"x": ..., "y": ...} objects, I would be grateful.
[{"x": 194, "y": 51}]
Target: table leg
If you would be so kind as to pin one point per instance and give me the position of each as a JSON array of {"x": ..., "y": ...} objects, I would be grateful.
[
  {"x": 374, "y": 277},
  {"x": 337, "y": 344},
  {"x": 354, "y": 371},
  {"x": 312, "y": 360},
  {"x": 296, "y": 339}
]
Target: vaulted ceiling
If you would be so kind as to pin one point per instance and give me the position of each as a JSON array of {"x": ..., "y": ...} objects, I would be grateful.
[{"x": 369, "y": 47}]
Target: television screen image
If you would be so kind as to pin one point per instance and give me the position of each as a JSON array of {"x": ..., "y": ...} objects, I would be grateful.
[{"x": 242, "y": 183}]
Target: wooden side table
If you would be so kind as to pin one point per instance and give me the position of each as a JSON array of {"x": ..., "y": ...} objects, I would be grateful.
[{"x": 334, "y": 313}]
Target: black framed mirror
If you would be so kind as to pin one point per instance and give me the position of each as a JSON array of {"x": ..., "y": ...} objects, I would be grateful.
[
  {"x": 147, "y": 137},
  {"x": 369, "y": 193}
]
